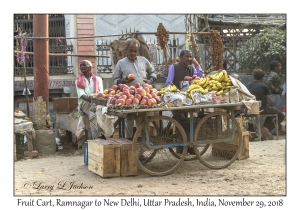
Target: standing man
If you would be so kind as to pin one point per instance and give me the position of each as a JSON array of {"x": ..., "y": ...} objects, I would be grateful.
[
  {"x": 87, "y": 84},
  {"x": 143, "y": 71},
  {"x": 261, "y": 93},
  {"x": 275, "y": 85},
  {"x": 178, "y": 71}
]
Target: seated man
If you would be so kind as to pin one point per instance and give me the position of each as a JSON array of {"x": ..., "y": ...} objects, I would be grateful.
[{"x": 262, "y": 93}]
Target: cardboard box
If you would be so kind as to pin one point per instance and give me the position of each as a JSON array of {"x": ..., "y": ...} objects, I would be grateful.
[
  {"x": 65, "y": 105},
  {"x": 104, "y": 157},
  {"x": 128, "y": 164}
]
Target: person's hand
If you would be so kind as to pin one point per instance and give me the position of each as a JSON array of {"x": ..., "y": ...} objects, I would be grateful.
[
  {"x": 87, "y": 98},
  {"x": 277, "y": 90},
  {"x": 195, "y": 62},
  {"x": 127, "y": 80},
  {"x": 147, "y": 81}
]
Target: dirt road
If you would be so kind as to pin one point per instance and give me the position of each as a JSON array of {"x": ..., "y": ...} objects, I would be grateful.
[{"x": 65, "y": 173}]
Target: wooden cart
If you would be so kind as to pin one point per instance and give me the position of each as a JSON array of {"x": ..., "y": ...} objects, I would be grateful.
[{"x": 165, "y": 142}]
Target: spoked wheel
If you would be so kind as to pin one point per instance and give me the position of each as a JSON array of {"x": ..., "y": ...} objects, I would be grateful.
[
  {"x": 222, "y": 138},
  {"x": 190, "y": 155},
  {"x": 147, "y": 155},
  {"x": 155, "y": 157}
]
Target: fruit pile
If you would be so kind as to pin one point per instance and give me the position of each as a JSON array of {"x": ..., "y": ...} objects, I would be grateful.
[
  {"x": 219, "y": 82},
  {"x": 135, "y": 96},
  {"x": 194, "y": 77},
  {"x": 170, "y": 88}
]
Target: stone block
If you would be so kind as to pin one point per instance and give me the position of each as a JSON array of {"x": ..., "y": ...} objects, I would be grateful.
[{"x": 45, "y": 142}]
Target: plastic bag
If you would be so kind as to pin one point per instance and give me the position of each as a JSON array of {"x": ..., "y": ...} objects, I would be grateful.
[
  {"x": 176, "y": 99},
  {"x": 223, "y": 98},
  {"x": 199, "y": 98}
]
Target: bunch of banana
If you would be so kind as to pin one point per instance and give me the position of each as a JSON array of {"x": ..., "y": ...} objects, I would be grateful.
[
  {"x": 199, "y": 82},
  {"x": 220, "y": 76},
  {"x": 193, "y": 87},
  {"x": 170, "y": 88},
  {"x": 206, "y": 83},
  {"x": 201, "y": 90},
  {"x": 217, "y": 76},
  {"x": 219, "y": 82}
]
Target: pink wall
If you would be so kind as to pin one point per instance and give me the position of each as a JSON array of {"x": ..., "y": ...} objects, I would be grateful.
[{"x": 86, "y": 27}]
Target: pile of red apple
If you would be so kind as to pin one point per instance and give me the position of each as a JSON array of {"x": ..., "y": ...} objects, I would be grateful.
[
  {"x": 194, "y": 77},
  {"x": 134, "y": 95}
]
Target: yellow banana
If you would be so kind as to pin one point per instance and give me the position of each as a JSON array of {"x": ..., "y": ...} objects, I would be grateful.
[
  {"x": 225, "y": 73},
  {"x": 206, "y": 82},
  {"x": 219, "y": 93},
  {"x": 219, "y": 85},
  {"x": 226, "y": 90},
  {"x": 197, "y": 82},
  {"x": 203, "y": 81},
  {"x": 226, "y": 78},
  {"x": 226, "y": 87},
  {"x": 212, "y": 76},
  {"x": 222, "y": 78},
  {"x": 214, "y": 88},
  {"x": 220, "y": 75},
  {"x": 193, "y": 87}
]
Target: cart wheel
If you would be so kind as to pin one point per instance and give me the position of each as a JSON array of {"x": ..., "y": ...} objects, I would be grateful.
[
  {"x": 177, "y": 152},
  {"x": 164, "y": 132},
  {"x": 225, "y": 144},
  {"x": 147, "y": 155},
  {"x": 191, "y": 155}
]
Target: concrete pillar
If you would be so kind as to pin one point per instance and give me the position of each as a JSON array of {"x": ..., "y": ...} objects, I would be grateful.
[{"x": 41, "y": 58}]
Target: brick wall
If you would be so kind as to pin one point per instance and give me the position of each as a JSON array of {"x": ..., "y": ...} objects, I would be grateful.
[{"x": 86, "y": 27}]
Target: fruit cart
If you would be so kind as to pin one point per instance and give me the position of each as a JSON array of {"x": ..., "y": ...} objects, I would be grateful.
[{"x": 165, "y": 141}]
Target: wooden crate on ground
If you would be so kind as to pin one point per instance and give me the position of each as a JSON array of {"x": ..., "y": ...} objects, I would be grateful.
[
  {"x": 64, "y": 105},
  {"x": 128, "y": 164},
  {"x": 104, "y": 157}
]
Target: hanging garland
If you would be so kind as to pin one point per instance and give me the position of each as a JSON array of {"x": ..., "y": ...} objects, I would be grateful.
[
  {"x": 162, "y": 36},
  {"x": 23, "y": 44},
  {"x": 216, "y": 49}
]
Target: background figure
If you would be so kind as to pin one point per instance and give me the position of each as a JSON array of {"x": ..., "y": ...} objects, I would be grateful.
[
  {"x": 262, "y": 93},
  {"x": 87, "y": 84},
  {"x": 275, "y": 85}
]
